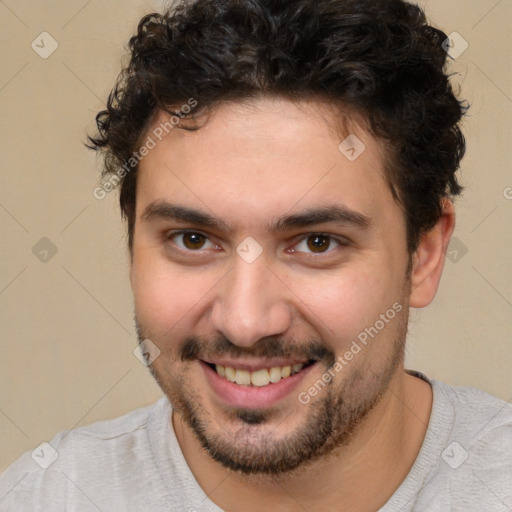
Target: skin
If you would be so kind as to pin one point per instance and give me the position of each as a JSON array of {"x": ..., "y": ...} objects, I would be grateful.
[{"x": 249, "y": 164}]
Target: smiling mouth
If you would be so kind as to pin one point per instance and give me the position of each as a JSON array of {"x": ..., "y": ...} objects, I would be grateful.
[{"x": 258, "y": 378}]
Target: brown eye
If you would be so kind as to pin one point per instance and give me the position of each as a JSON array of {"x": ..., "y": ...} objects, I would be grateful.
[
  {"x": 318, "y": 243},
  {"x": 193, "y": 240},
  {"x": 190, "y": 240}
]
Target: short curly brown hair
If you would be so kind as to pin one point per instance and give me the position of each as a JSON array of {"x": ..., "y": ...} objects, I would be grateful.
[{"x": 379, "y": 58}]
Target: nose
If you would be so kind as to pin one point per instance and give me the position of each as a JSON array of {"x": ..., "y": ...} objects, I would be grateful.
[{"x": 251, "y": 303}]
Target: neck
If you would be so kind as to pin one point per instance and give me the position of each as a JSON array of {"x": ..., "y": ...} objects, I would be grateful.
[{"x": 361, "y": 475}]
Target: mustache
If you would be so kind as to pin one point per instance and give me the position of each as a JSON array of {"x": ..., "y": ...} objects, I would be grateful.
[{"x": 194, "y": 347}]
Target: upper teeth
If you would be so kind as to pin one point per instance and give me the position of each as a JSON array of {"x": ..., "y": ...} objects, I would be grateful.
[{"x": 259, "y": 377}]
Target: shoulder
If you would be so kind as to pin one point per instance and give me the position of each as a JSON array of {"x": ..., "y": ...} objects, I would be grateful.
[
  {"x": 477, "y": 415},
  {"x": 94, "y": 454},
  {"x": 464, "y": 462},
  {"x": 475, "y": 463}
]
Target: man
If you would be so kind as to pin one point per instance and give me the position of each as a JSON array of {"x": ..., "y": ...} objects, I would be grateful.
[{"x": 286, "y": 172}]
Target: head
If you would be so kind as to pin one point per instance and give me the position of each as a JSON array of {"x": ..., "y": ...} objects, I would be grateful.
[{"x": 308, "y": 149}]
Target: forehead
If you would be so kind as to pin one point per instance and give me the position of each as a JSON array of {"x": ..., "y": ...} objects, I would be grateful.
[{"x": 265, "y": 156}]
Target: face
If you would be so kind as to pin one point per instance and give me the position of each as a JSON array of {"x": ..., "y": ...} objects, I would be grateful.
[{"x": 269, "y": 268}]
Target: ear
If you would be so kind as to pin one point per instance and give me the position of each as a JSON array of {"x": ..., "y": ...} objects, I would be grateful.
[{"x": 429, "y": 257}]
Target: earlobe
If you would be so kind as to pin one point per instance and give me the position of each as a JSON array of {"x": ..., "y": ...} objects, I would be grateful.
[{"x": 429, "y": 257}]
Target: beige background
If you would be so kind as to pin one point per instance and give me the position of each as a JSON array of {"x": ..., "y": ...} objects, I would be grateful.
[{"x": 67, "y": 328}]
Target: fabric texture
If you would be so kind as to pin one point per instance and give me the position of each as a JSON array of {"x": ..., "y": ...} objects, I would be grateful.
[{"x": 134, "y": 463}]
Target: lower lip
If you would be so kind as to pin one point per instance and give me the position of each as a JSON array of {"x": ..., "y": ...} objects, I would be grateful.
[{"x": 253, "y": 397}]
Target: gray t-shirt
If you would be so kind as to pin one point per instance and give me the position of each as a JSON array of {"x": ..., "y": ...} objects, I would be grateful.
[{"x": 134, "y": 463}]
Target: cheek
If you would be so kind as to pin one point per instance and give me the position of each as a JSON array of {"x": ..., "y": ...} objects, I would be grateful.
[
  {"x": 342, "y": 305},
  {"x": 165, "y": 298}
]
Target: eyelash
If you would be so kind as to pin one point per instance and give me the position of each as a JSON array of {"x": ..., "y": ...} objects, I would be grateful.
[{"x": 341, "y": 243}]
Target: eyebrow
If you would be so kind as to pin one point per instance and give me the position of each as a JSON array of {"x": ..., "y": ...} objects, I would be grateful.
[{"x": 334, "y": 213}]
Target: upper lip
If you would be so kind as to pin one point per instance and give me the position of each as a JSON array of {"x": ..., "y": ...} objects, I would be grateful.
[{"x": 254, "y": 364}]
